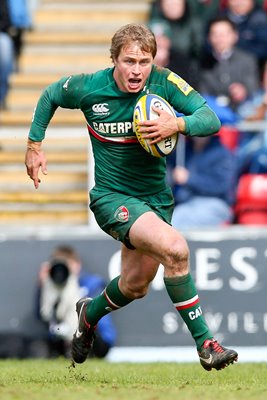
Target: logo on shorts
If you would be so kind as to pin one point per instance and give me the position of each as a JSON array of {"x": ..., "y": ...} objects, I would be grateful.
[{"x": 122, "y": 214}]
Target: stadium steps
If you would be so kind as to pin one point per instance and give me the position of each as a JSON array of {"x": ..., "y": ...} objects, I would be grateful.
[
  {"x": 41, "y": 216},
  {"x": 55, "y": 181},
  {"x": 67, "y": 37},
  {"x": 41, "y": 62},
  {"x": 75, "y": 197},
  {"x": 11, "y": 157},
  {"x": 22, "y": 117},
  {"x": 63, "y": 193}
]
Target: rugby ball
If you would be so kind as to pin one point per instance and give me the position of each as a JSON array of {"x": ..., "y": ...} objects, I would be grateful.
[{"x": 142, "y": 112}]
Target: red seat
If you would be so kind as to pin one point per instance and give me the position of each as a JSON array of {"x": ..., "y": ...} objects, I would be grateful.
[
  {"x": 251, "y": 200},
  {"x": 229, "y": 137}
]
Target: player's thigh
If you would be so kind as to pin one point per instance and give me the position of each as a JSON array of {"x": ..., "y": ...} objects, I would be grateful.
[
  {"x": 115, "y": 212},
  {"x": 156, "y": 238}
]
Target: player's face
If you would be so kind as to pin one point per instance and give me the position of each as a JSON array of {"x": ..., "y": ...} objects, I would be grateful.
[{"x": 132, "y": 68}]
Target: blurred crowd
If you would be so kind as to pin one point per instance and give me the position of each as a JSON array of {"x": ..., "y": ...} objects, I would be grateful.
[{"x": 220, "y": 48}]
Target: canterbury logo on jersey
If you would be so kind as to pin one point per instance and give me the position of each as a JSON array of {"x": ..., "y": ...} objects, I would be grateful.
[{"x": 101, "y": 109}]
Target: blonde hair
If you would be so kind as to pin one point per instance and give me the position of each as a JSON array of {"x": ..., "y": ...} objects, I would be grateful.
[{"x": 133, "y": 33}]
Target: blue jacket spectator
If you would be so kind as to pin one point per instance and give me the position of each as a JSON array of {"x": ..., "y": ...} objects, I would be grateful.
[
  {"x": 19, "y": 14},
  {"x": 14, "y": 19},
  {"x": 20, "y": 20},
  {"x": 252, "y": 149},
  {"x": 7, "y": 56},
  {"x": 204, "y": 188},
  {"x": 6, "y": 65}
]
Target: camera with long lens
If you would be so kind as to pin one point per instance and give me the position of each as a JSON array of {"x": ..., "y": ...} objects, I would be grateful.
[{"x": 59, "y": 272}]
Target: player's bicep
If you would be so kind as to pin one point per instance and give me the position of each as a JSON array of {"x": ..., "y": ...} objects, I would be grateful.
[{"x": 67, "y": 92}]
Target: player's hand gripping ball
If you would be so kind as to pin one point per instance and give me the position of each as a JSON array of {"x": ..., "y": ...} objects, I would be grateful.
[{"x": 142, "y": 112}]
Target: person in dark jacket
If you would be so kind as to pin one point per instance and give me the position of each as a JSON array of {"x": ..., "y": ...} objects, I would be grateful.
[
  {"x": 229, "y": 76},
  {"x": 251, "y": 21},
  {"x": 204, "y": 186}
]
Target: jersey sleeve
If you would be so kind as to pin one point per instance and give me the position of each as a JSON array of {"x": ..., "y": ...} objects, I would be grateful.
[
  {"x": 203, "y": 122},
  {"x": 200, "y": 119},
  {"x": 65, "y": 93}
]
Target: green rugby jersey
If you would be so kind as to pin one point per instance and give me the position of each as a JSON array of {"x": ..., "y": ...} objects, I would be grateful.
[{"x": 121, "y": 164}]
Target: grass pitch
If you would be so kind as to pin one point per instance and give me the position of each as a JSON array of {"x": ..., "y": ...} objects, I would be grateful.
[{"x": 57, "y": 380}]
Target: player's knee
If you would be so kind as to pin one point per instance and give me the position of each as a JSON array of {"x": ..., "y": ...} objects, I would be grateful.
[
  {"x": 177, "y": 257},
  {"x": 136, "y": 290}
]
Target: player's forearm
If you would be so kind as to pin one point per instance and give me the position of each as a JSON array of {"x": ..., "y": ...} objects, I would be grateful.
[
  {"x": 43, "y": 113},
  {"x": 203, "y": 122}
]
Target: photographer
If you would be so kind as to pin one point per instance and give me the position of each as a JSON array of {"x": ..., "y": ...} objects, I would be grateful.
[{"x": 61, "y": 283}]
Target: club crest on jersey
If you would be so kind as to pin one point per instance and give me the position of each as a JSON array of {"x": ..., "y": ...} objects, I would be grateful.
[{"x": 122, "y": 214}]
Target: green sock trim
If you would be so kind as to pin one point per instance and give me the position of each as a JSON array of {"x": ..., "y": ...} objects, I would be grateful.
[
  {"x": 109, "y": 300},
  {"x": 115, "y": 295},
  {"x": 182, "y": 289}
]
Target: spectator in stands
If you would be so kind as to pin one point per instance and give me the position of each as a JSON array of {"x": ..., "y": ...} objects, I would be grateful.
[
  {"x": 6, "y": 65},
  {"x": 205, "y": 10},
  {"x": 204, "y": 188},
  {"x": 260, "y": 3},
  {"x": 257, "y": 109},
  {"x": 166, "y": 55},
  {"x": 6, "y": 52},
  {"x": 252, "y": 151},
  {"x": 20, "y": 19},
  {"x": 251, "y": 21},
  {"x": 228, "y": 76},
  {"x": 186, "y": 33},
  {"x": 14, "y": 19},
  {"x": 258, "y": 164},
  {"x": 162, "y": 34},
  {"x": 61, "y": 283}
]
